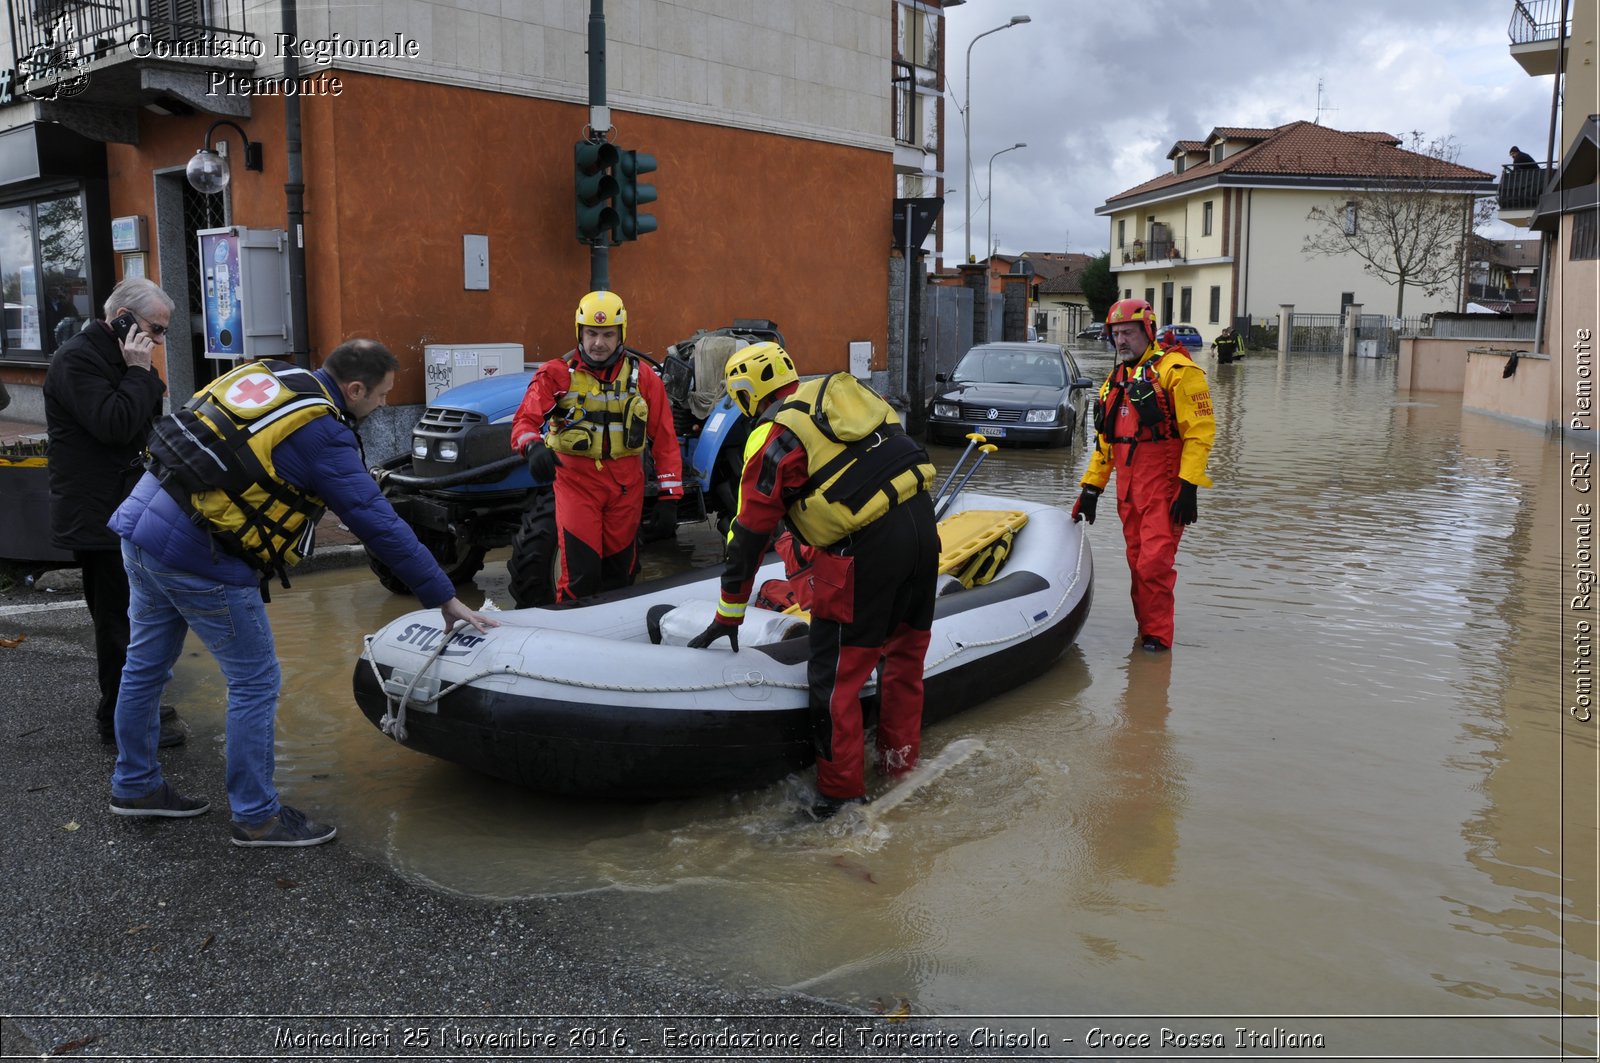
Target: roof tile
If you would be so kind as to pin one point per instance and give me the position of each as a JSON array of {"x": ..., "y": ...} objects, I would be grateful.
[{"x": 1305, "y": 149}]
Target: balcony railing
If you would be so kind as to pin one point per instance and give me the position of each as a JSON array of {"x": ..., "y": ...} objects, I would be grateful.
[
  {"x": 1536, "y": 20},
  {"x": 1521, "y": 186},
  {"x": 1154, "y": 252},
  {"x": 56, "y": 32}
]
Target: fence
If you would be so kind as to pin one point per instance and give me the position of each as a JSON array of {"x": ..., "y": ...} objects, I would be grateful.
[
  {"x": 1316, "y": 332},
  {"x": 1484, "y": 327},
  {"x": 1324, "y": 333}
]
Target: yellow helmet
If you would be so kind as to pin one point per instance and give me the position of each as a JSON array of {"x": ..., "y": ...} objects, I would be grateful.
[
  {"x": 602, "y": 310},
  {"x": 756, "y": 372}
]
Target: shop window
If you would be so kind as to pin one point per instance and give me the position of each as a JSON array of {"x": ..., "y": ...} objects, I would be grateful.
[{"x": 44, "y": 274}]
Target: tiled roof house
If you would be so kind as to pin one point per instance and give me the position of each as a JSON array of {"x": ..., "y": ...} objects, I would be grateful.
[{"x": 1219, "y": 236}]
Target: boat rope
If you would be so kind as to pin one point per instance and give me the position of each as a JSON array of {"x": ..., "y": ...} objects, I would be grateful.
[{"x": 393, "y": 723}]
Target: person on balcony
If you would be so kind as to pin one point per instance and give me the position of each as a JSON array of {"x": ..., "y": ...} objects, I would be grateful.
[{"x": 1523, "y": 178}]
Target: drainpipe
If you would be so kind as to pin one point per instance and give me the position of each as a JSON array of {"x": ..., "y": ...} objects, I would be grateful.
[{"x": 294, "y": 191}]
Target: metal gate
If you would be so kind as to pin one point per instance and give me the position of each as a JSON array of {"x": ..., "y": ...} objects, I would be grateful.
[{"x": 1317, "y": 332}]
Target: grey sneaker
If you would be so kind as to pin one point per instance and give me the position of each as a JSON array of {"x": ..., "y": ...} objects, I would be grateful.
[
  {"x": 162, "y": 801},
  {"x": 290, "y": 827}
]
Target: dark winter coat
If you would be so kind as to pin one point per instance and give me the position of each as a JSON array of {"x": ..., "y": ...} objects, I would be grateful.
[{"x": 98, "y": 411}]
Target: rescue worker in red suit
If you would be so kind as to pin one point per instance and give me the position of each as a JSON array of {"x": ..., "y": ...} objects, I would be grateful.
[
  {"x": 1154, "y": 426},
  {"x": 584, "y": 424},
  {"x": 831, "y": 457}
]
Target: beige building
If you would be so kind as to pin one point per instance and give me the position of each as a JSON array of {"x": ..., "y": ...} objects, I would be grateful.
[
  {"x": 1554, "y": 386},
  {"x": 1220, "y": 236}
]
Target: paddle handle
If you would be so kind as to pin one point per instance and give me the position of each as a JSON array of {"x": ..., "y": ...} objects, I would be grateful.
[{"x": 983, "y": 452}]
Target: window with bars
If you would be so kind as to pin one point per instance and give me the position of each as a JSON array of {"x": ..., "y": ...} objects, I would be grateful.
[
  {"x": 200, "y": 211},
  {"x": 1585, "y": 236}
]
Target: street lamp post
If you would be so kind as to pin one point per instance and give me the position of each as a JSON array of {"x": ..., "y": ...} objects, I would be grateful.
[
  {"x": 988, "y": 243},
  {"x": 966, "y": 114}
]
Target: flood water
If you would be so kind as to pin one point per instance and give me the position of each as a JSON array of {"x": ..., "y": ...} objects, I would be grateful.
[{"x": 1350, "y": 800}]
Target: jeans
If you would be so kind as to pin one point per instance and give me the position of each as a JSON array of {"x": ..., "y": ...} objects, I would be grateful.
[{"x": 163, "y": 606}]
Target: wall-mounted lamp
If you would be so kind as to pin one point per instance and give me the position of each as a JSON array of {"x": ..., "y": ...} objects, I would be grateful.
[{"x": 208, "y": 172}]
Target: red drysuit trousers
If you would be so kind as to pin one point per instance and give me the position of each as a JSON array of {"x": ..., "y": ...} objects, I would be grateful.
[
  {"x": 872, "y": 601},
  {"x": 1146, "y": 489}
]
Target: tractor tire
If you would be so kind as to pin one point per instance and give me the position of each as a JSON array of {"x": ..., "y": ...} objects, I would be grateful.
[
  {"x": 534, "y": 563},
  {"x": 460, "y": 560}
]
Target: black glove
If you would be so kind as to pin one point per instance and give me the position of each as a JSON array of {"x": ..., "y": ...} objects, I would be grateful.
[
  {"x": 541, "y": 461},
  {"x": 1186, "y": 507},
  {"x": 667, "y": 512},
  {"x": 1083, "y": 508},
  {"x": 711, "y": 634}
]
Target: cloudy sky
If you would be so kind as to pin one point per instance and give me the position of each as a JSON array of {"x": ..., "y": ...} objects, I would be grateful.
[{"x": 1100, "y": 90}]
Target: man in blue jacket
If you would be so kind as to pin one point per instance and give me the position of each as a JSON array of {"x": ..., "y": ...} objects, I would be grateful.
[{"x": 238, "y": 479}]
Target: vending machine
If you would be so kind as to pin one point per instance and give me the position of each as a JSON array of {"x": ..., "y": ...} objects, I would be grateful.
[{"x": 246, "y": 300}]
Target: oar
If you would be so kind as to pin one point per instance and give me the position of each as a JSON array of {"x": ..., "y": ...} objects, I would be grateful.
[
  {"x": 973, "y": 438},
  {"x": 983, "y": 452}
]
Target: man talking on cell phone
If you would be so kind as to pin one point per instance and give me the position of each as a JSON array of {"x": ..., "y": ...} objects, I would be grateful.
[{"x": 101, "y": 394}]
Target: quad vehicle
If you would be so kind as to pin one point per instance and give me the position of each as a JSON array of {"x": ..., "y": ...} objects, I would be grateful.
[{"x": 464, "y": 492}]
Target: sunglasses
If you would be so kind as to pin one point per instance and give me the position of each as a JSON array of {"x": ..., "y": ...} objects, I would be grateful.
[{"x": 155, "y": 331}]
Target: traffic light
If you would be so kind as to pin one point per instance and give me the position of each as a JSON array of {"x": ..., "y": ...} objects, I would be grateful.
[
  {"x": 596, "y": 188},
  {"x": 631, "y": 195}
]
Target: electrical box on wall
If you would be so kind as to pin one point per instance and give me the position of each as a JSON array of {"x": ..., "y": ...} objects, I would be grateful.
[
  {"x": 246, "y": 303},
  {"x": 450, "y": 365}
]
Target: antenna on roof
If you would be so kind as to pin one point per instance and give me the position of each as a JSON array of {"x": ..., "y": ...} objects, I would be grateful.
[{"x": 1321, "y": 107}]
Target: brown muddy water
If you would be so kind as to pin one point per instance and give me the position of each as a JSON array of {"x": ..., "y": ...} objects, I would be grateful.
[{"x": 1349, "y": 804}]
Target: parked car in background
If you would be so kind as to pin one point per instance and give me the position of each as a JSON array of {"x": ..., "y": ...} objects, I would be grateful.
[
  {"x": 1013, "y": 393},
  {"x": 1187, "y": 335},
  {"x": 1090, "y": 333}
]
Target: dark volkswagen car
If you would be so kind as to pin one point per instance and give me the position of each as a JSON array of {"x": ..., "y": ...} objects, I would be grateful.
[{"x": 1013, "y": 393}]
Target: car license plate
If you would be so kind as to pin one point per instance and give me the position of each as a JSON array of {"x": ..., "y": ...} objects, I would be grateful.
[{"x": 992, "y": 431}]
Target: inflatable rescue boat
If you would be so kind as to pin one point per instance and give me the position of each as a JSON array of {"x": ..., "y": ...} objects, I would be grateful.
[{"x": 605, "y": 699}]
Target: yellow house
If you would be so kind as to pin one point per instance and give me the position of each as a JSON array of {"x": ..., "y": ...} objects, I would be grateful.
[{"x": 1220, "y": 236}]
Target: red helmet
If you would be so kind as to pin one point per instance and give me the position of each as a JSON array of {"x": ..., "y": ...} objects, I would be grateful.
[{"x": 1133, "y": 310}]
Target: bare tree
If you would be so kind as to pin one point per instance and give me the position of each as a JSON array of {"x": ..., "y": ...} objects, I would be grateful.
[{"x": 1408, "y": 228}]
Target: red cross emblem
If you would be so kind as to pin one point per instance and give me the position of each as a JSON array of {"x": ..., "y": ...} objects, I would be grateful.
[
  {"x": 599, "y": 317},
  {"x": 255, "y": 390}
]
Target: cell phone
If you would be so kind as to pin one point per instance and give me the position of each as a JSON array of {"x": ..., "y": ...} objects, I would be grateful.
[{"x": 123, "y": 324}]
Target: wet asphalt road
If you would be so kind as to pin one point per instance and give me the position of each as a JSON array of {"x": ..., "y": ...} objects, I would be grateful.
[{"x": 112, "y": 921}]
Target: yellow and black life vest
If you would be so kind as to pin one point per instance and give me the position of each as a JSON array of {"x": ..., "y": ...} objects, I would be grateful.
[
  {"x": 599, "y": 420},
  {"x": 860, "y": 458},
  {"x": 214, "y": 456}
]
